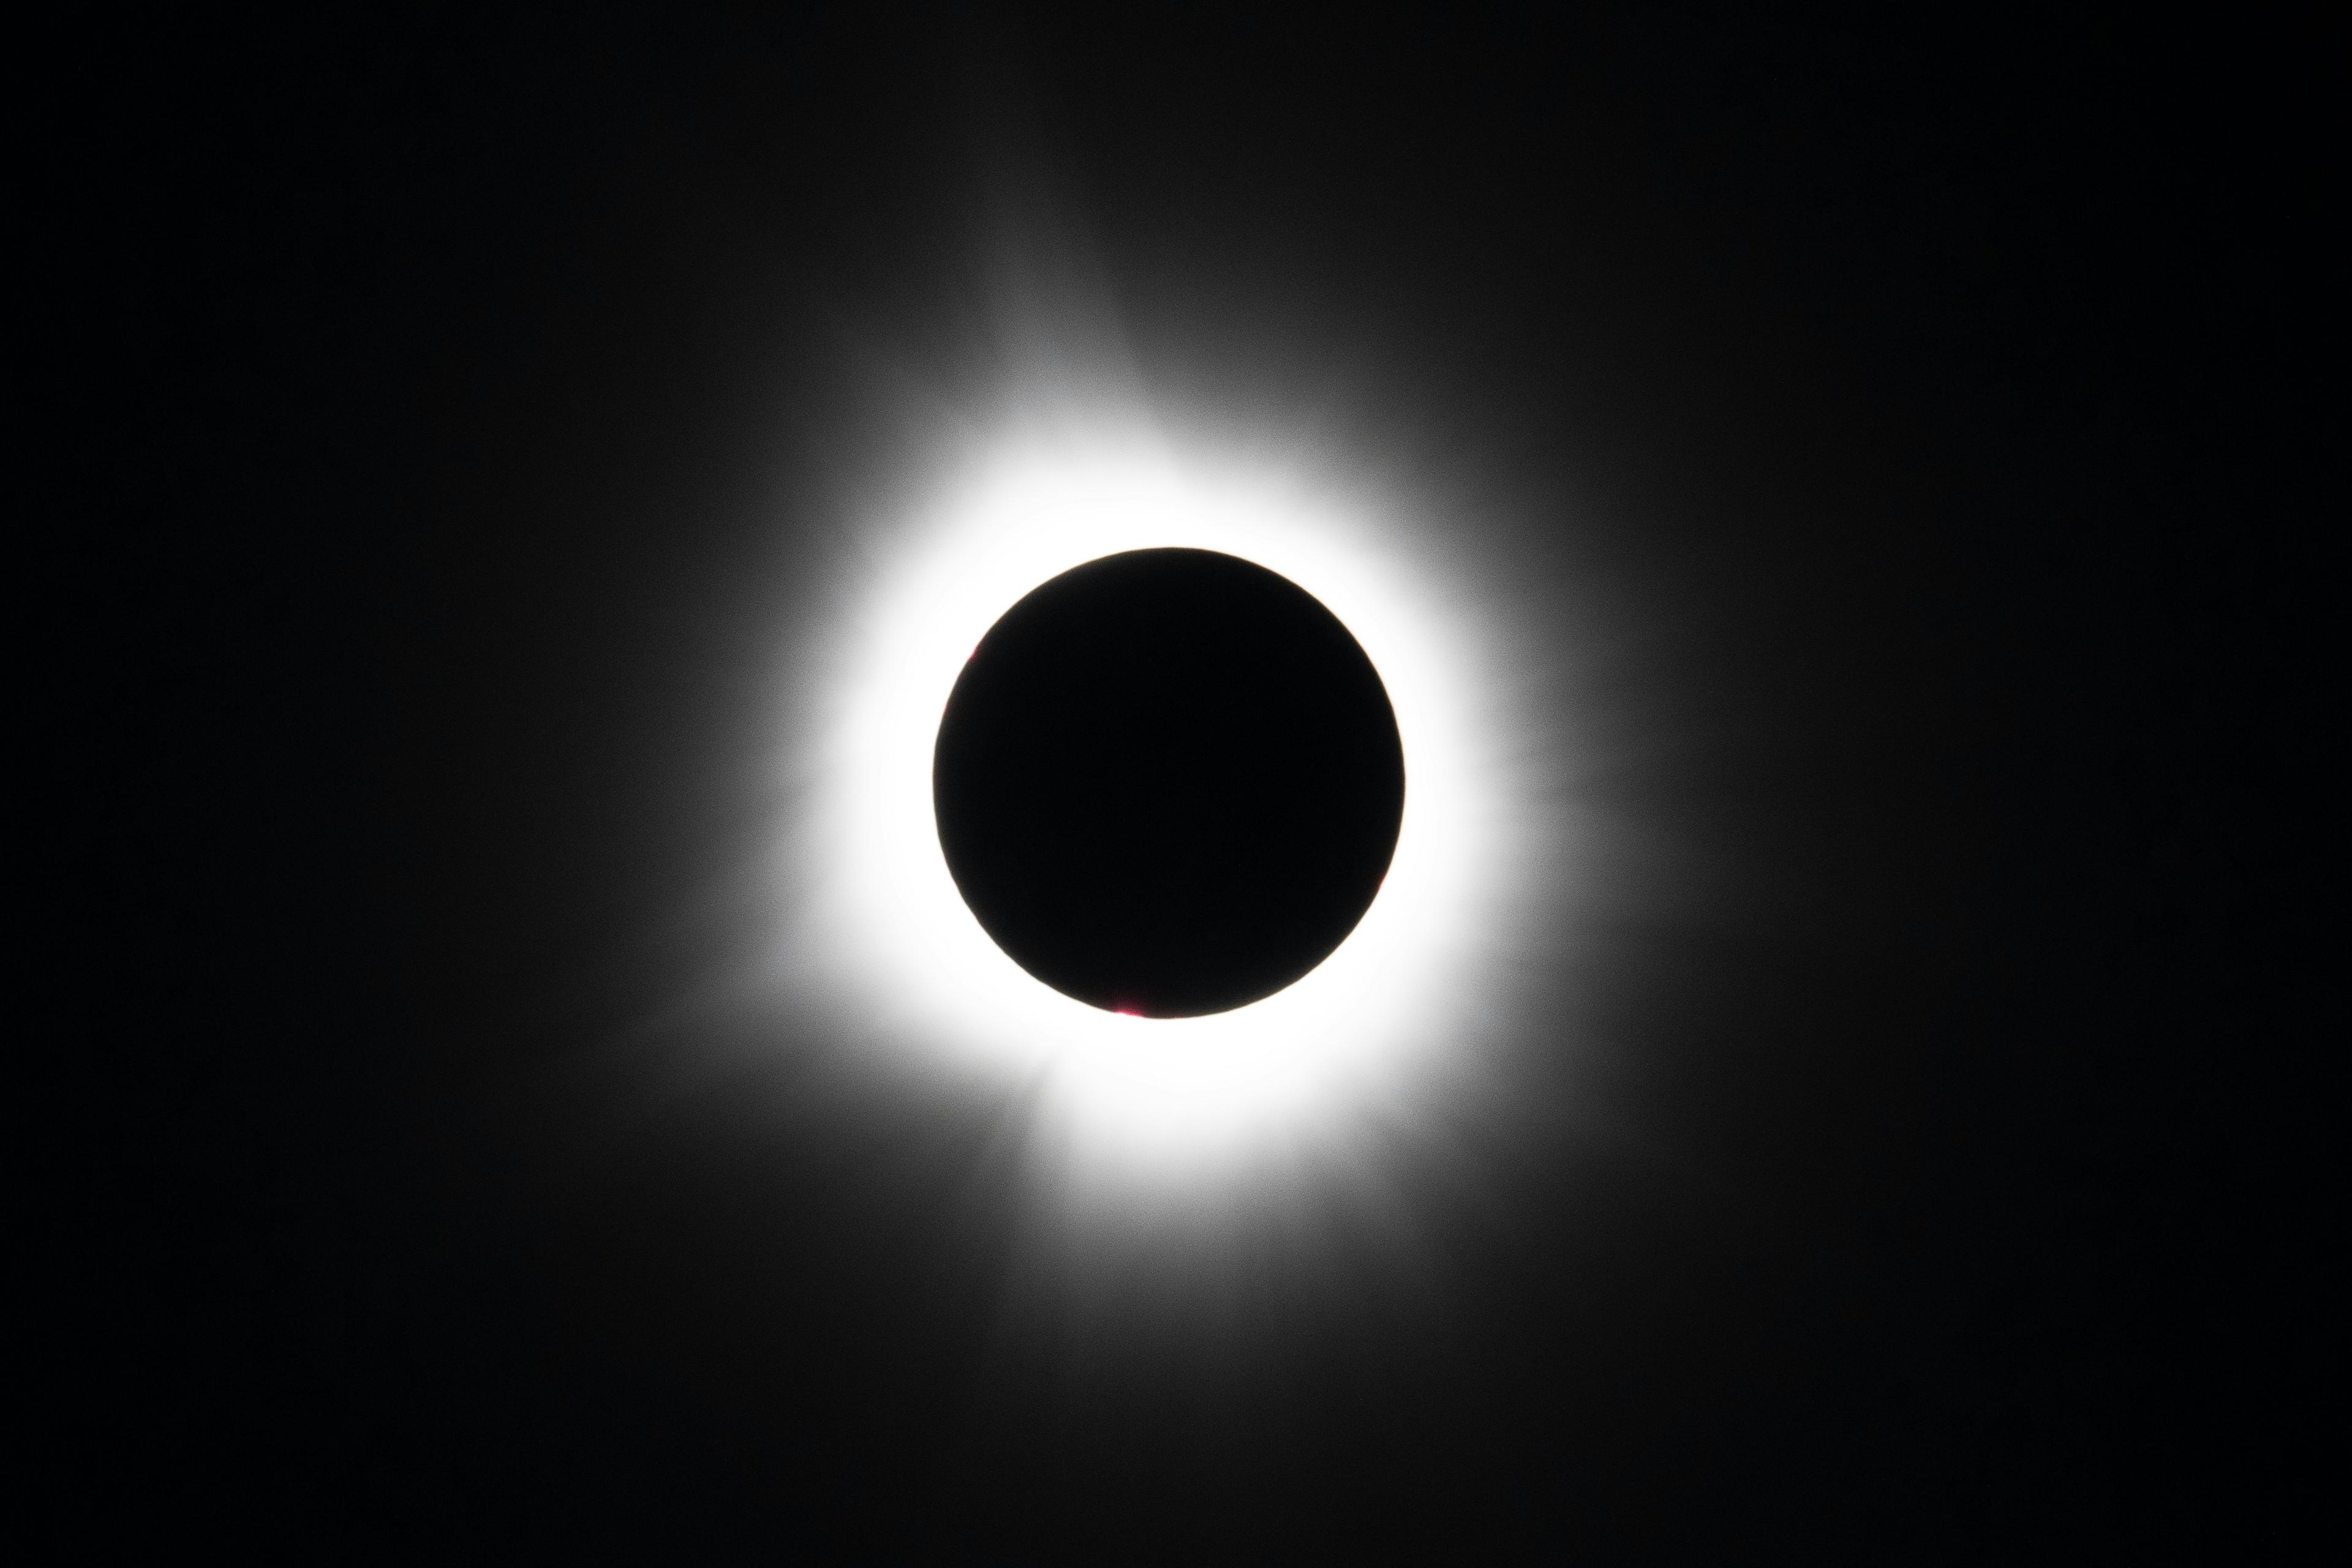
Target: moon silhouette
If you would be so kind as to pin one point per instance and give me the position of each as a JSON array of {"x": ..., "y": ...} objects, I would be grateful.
[{"x": 1168, "y": 783}]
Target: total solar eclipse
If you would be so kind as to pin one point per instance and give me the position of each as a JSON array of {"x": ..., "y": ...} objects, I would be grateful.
[{"x": 1168, "y": 783}]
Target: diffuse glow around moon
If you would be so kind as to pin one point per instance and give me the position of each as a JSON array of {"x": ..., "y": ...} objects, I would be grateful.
[{"x": 1379, "y": 1029}]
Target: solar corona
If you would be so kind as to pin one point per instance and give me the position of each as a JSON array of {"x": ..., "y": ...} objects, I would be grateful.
[{"x": 1170, "y": 791}]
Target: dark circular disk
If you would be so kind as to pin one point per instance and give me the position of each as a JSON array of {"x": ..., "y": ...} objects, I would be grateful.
[{"x": 1168, "y": 783}]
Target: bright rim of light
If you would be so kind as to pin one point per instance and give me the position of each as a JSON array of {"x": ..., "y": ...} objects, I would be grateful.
[{"x": 1377, "y": 1020}]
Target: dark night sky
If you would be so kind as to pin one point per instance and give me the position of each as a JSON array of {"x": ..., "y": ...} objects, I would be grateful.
[{"x": 1917, "y": 392}]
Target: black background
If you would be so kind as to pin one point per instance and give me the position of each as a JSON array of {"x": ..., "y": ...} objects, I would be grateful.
[{"x": 418, "y": 384}]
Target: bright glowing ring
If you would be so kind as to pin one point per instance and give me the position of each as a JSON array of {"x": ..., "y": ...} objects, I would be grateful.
[{"x": 1375, "y": 1020}]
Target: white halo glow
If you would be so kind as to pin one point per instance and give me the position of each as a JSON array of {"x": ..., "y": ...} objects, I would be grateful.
[{"x": 1385, "y": 1015}]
